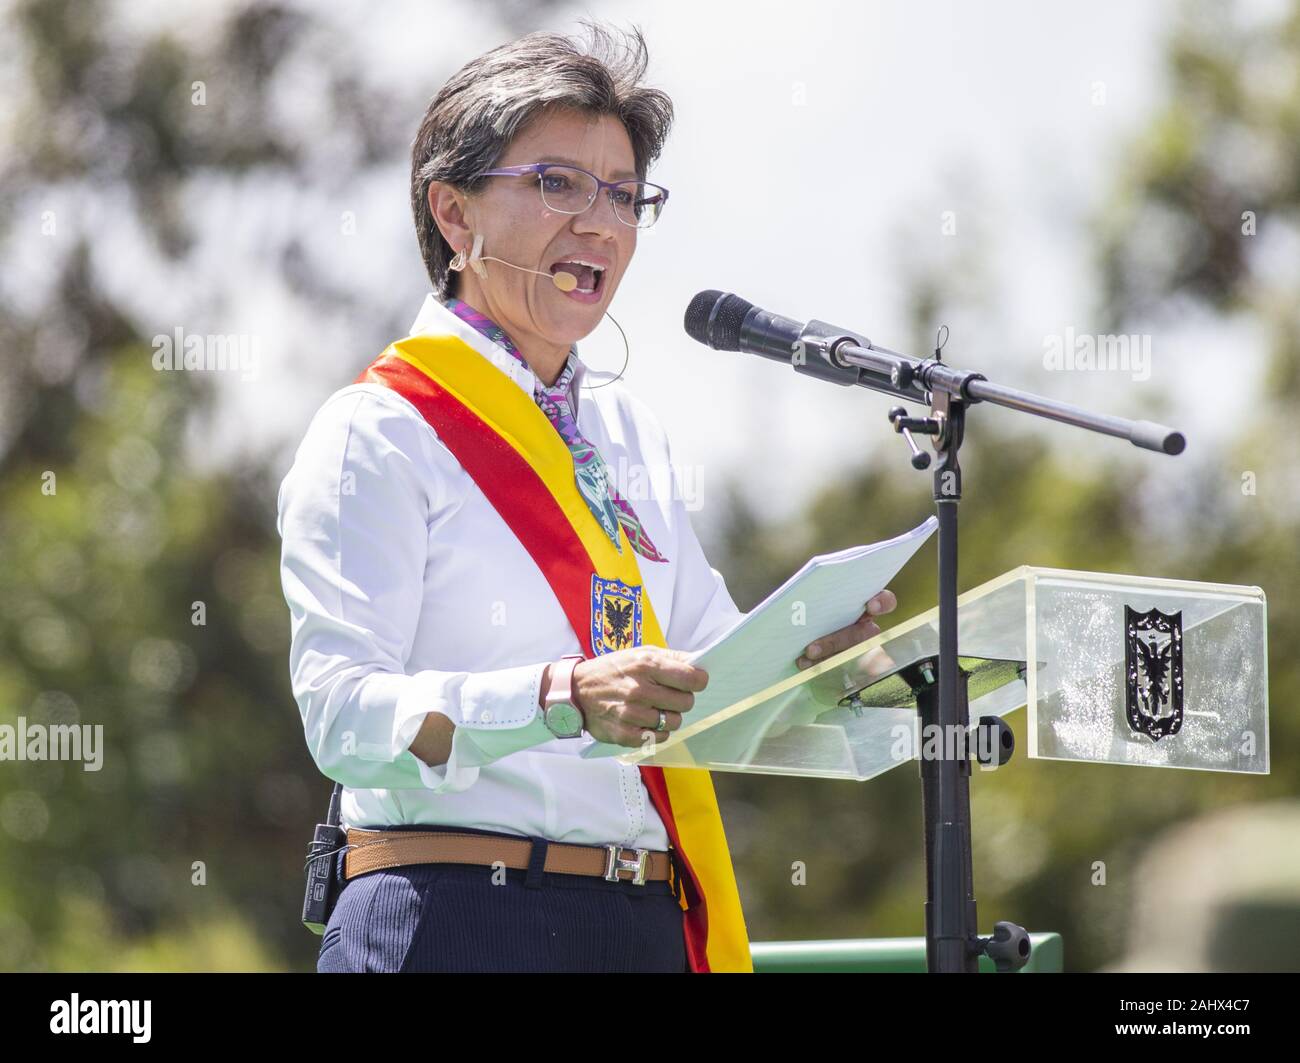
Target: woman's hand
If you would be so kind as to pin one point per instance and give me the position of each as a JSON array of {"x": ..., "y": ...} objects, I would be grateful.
[
  {"x": 620, "y": 693},
  {"x": 859, "y": 631}
]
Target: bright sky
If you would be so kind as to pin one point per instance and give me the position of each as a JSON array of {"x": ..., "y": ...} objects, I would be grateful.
[{"x": 817, "y": 149}]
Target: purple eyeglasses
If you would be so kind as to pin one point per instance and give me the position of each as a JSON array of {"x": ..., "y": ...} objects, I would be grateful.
[{"x": 571, "y": 190}]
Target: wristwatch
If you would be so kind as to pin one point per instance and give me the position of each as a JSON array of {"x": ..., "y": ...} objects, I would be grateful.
[{"x": 562, "y": 717}]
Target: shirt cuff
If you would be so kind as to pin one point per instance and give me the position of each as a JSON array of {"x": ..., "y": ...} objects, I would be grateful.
[{"x": 495, "y": 715}]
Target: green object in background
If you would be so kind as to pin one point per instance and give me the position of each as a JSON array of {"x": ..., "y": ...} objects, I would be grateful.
[{"x": 883, "y": 955}]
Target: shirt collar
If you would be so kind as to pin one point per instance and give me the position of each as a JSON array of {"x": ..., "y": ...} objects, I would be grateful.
[{"x": 435, "y": 318}]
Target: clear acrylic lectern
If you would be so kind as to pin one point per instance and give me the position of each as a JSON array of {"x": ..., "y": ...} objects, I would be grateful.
[{"x": 1127, "y": 670}]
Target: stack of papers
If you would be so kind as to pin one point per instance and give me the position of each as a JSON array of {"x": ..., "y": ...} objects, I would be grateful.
[{"x": 828, "y": 593}]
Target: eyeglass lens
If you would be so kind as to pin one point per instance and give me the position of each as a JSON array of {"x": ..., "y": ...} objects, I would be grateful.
[{"x": 571, "y": 191}]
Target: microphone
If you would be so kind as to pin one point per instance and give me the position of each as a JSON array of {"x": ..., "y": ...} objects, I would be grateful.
[
  {"x": 727, "y": 322},
  {"x": 566, "y": 282}
]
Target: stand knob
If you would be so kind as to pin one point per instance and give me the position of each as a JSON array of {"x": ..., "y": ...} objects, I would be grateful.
[
  {"x": 897, "y": 417},
  {"x": 995, "y": 741},
  {"x": 1008, "y": 948}
]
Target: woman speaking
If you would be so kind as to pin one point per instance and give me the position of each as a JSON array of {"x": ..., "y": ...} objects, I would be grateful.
[{"x": 475, "y": 598}]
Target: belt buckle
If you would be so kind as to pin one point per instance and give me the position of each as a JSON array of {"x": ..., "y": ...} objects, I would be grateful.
[{"x": 616, "y": 863}]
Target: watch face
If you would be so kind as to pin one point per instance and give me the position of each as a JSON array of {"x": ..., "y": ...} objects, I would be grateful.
[{"x": 564, "y": 719}]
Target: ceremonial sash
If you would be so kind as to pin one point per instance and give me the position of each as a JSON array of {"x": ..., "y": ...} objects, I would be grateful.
[{"x": 522, "y": 465}]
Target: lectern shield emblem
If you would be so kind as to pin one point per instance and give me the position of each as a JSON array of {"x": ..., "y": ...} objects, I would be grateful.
[
  {"x": 615, "y": 615},
  {"x": 1153, "y": 670}
]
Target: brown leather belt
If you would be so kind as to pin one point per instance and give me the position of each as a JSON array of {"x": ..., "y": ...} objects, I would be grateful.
[{"x": 374, "y": 850}]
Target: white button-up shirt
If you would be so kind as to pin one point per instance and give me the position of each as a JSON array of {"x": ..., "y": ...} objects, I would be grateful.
[{"x": 409, "y": 594}]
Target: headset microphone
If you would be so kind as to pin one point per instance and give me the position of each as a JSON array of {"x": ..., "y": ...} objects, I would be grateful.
[{"x": 563, "y": 280}]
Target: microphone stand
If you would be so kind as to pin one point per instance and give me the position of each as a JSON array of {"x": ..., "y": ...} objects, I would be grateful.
[{"x": 826, "y": 351}]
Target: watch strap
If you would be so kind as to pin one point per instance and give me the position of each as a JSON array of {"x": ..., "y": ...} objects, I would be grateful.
[{"x": 561, "y": 685}]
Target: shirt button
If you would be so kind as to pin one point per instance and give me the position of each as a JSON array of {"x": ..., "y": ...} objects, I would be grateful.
[{"x": 486, "y": 716}]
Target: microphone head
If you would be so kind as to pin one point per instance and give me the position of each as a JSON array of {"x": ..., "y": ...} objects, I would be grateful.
[
  {"x": 714, "y": 319},
  {"x": 564, "y": 280}
]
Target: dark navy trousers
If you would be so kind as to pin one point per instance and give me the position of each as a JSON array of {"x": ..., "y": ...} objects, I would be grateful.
[{"x": 456, "y": 918}]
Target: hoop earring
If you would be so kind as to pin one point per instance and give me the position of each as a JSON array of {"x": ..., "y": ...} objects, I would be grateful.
[{"x": 474, "y": 259}]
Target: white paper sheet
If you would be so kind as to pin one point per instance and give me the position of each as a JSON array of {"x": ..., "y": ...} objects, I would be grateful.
[{"x": 760, "y": 649}]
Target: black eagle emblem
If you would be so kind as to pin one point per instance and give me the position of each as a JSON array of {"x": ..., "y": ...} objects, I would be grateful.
[
  {"x": 1154, "y": 663},
  {"x": 618, "y": 621},
  {"x": 1153, "y": 666}
]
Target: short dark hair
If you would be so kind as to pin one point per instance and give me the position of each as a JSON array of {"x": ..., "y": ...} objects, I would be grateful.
[{"x": 477, "y": 113}]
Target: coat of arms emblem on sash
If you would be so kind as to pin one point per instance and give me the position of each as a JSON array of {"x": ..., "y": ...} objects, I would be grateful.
[{"x": 615, "y": 615}]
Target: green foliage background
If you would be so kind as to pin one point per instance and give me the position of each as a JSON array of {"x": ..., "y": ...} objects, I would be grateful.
[{"x": 185, "y": 851}]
